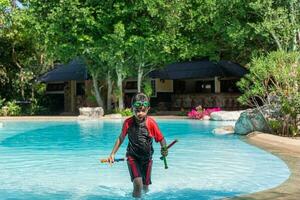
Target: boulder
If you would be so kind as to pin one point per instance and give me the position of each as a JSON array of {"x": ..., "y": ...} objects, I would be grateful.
[
  {"x": 225, "y": 115},
  {"x": 249, "y": 121},
  {"x": 91, "y": 112},
  {"x": 225, "y": 130}
]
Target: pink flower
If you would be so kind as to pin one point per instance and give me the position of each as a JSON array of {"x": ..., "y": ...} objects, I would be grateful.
[{"x": 194, "y": 114}]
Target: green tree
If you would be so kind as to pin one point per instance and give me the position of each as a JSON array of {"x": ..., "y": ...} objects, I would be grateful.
[
  {"x": 22, "y": 55},
  {"x": 278, "y": 22},
  {"x": 75, "y": 30},
  {"x": 151, "y": 36},
  {"x": 117, "y": 58}
]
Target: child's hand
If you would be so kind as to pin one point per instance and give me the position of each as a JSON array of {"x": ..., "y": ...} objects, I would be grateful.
[
  {"x": 111, "y": 159},
  {"x": 164, "y": 151}
]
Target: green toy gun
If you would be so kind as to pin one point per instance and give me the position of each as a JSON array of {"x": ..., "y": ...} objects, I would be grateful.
[{"x": 167, "y": 147}]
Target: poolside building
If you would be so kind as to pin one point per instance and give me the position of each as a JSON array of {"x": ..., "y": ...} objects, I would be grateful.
[
  {"x": 188, "y": 84},
  {"x": 178, "y": 86}
]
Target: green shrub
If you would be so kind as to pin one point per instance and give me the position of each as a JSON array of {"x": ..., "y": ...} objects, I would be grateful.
[
  {"x": 34, "y": 109},
  {"x": 91, "y": 98},
  {"x": 1, "y": 105},
  {"x": 275, "y": 125},
  {"x": 182, "y": 113},
  {"x": 1, "y": 102},
  {"x": 125, "y": 112},
  {"x": 147, "y": 89},
  {"x": 275, "y": 75},
  {"x": 12, "y": 108}
]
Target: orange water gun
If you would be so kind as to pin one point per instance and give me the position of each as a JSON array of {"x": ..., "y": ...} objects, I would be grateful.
[{"x": 116, "y": 160}]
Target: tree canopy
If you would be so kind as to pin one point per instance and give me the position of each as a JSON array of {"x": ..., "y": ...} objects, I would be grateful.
[{"x": 118, "y": 39}]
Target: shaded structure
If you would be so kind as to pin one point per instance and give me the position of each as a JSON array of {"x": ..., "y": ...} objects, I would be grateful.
[
  {"x": 179, "y": 86},
  {"x": 66, "y": 86},
  {"x": 199, "y": 69},
  {"x": 75, "y": 70},
  {"x": 200, "y": 82}
]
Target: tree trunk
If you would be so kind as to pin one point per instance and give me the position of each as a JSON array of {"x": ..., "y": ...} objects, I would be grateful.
[
  {"x": 292, "y": 17},
  {"x": 96, "y": 90},
  {"x": 120, "y": 87},
  {"x": 32, "y": 91},
  {"x": 22, "y": 84},
  {"x": 298, "y": 33},
  {"x": 13, "y": 4},
  {"x": 139, "y": 81},
  {"x": 14, "y": 57},
  {"x": 277, "y": 41},
  {"x": 109, "y": 93}
]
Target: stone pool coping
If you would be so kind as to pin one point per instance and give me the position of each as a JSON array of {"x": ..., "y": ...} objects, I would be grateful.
[{"x": 288, "y": 149}]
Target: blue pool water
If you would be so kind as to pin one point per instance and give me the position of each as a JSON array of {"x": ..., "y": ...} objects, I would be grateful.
[{"x": 59, "y": 160}]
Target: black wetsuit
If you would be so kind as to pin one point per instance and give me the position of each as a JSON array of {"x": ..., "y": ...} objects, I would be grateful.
[{"x": 140, "y": 148}]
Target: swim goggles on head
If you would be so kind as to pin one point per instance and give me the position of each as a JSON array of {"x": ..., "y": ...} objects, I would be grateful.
[{"x": 138, "y": 104}]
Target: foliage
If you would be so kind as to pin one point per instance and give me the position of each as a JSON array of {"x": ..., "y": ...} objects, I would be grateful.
[
  {"x": 132, "y": 38},
  {"x": 125, "y": 112},
  {"x": 76, "y": 30},
  {"x": 182, "y": 113},
  {"x": 92, "y": 99},
  {"x": 274, "y": 80},
  {"x": 151, "y": 37},
  {"x": 22, "y": 51},
  {"x": 34, "y": 109},
  {"x": 275, "y": 125},
  {"x": 11, "y": 109},
  {"x": 1, "y": 102},
  {"x": 1, "y": 105},
  {"x": 277, "y": 21},
  {"x": 117, "y": 93},
  {"x": 147, "y": 89}
]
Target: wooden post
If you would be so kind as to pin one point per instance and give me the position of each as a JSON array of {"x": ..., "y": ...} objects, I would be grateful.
[
  {"x": 73, "y": 96},
  {"x": 217, "y": 85}
]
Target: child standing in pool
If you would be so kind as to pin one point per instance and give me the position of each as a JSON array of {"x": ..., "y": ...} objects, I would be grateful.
[{"x": 140, "y": 130}]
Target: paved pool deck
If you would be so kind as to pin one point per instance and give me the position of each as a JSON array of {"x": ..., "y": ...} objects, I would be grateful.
[{"x": 288, "y": 149}]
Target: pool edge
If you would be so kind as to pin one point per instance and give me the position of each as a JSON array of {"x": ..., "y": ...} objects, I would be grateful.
[{"x": 289, "y": 189}]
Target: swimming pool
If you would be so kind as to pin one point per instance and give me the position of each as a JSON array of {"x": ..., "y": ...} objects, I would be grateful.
[{"x": 60, "y": 160}]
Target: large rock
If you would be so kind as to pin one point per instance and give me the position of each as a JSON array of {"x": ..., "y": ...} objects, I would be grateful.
[
  {"x": 225, "y": 115},
  {"x": 250, "y": 121},
  {"x": 91, "y": 112}
]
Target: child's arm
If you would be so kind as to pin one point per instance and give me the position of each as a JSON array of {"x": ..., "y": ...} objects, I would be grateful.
[
  {"x": 120, "y": 140},
  {"x": 154, "y": 130},
  {"x": 118, "y": 143}
]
